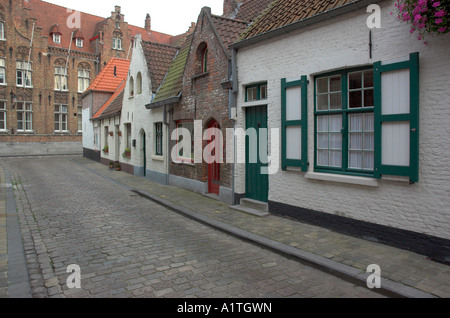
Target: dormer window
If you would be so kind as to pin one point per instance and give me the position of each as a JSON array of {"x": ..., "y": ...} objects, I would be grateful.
[
  {"x": 79, "y": 42},
  {"x": 57, "y": 38}
]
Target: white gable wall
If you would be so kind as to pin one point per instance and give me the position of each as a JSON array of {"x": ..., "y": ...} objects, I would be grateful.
[{"x": 341, "y": 43}]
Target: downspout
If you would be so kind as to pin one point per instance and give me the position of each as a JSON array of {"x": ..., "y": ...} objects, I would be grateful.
[{"x": 233, "y": 108}]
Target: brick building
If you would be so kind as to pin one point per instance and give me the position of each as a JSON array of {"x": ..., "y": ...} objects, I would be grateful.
[
  {"x": 204, "y": 97},
  {"x": 48, "y": 57}
]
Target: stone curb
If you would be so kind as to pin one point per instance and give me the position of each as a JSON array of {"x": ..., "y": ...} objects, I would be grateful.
[{"x": 349, "y": 273}]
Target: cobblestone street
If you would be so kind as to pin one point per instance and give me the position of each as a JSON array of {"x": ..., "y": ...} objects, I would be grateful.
[{"x": 128, "y": 246}]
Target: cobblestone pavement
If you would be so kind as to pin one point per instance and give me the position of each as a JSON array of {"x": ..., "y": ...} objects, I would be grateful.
[{"x": 128, "y": 246}]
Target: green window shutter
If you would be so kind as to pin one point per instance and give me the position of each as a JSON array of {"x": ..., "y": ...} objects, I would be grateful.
[
  {"x": 294, "y": 118},
  {"x": 397, "y": 118}
]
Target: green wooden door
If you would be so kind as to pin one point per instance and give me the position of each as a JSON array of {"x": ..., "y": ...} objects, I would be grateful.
[{"x": 256, "y": 183}]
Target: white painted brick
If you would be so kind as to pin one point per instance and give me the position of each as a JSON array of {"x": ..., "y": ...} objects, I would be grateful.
[{"x": 343, "y": 42}]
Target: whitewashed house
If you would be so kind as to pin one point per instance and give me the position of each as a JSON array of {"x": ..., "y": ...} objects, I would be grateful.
[
  {"x": 143, "y": 151},
  {"x": 362, "y": 115}
]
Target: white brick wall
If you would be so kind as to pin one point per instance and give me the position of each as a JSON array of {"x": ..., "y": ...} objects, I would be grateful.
[
  {"x": 141, "y": 119},
  {"x": 339, "y": 43}
]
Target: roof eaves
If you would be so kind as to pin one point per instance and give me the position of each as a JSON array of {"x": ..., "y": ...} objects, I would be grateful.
[{"x": 320, "y": 17}]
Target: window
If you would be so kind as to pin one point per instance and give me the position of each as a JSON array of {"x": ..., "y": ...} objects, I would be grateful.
[
  {"x": 205, "y": 61},
  {"x": 24, "y": 116},
  {"x": 56, "y": 38},
  {"x": 131, "y": 86},
  {"x": 83, "y": 80},
  {"x": 60, "y": 78},
  {"x": 117, "y": 43},
  {"x": 128, "y": 129},
  {"x": 366, "y": 120},
  {"x": 159, "y": 139},
  {"x": 2, "y": 31},
  {"x": 139, "y": 83},
  {"x": 345, "y": 121},
  {"x": 79, "y": 42},
  {"x": 256, "y": 92},
  {"x": 2, "y": 115},
  {"x": 23, "y": 72},
  {"x": 61, "y": 118},
  {"x": 185, "y": 129},
  {"x": 2, "y": 71},
  {"x": 80, "y": 118}
]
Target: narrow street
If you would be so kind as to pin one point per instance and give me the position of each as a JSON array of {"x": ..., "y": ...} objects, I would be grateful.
[{"x": 128, "y": 246}]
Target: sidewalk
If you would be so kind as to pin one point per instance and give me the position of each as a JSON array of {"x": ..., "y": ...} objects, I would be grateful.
[
  {"x": 3, "y": 238},
  {"x": 404, "y": 274}
]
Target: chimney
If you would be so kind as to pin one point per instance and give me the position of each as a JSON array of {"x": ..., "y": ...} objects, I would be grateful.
[
  {"x": 229, "y": 6},
  {"x": 148, "y": 23},
  {"x": 117, "y": 9}
]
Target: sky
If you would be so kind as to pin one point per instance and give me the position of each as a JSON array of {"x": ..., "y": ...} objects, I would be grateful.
[{"x": 168, "y": 16}]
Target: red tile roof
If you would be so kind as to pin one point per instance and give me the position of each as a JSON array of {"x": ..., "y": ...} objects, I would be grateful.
[
  {"x": 228, "y": 29},
  {"x": 250, "y": 9},
  {"x": 48, "y": 15},
  {"x": 107, "y": 81},
  {"x": 284, "y": 12},
  {"x": 159, "y": 57}
]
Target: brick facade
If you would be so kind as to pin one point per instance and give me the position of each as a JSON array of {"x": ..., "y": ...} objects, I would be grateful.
[{"x": 23, "y": 20}]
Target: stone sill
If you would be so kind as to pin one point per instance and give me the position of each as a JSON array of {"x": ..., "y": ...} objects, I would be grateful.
[
  {"x": 199, "y": 76},
  {"x": 157, "y": 158},
  {"x": 370, "y": 182}
]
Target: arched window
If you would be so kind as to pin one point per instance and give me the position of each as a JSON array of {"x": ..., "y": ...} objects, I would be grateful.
[
  {"x": 131, "y": 86},
  {"x": 202, "y": 58},
  {"x": 139, "y": 84}
]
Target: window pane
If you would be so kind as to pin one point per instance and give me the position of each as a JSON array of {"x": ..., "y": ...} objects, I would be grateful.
[
  {"x": 322, "y": 157},
  {"x": 322, "y": 141},
  {"x": 368, "y": 78},
  {"x": 368, "y": 98},
  {"x": 294, "y": 142},
  {"x": 355, "y": 80},
  {"x": 263, "y": 92},
  {"x": 335, "y": 158},
  {"x": 322, "y": 85},
  {"x": 355, "y": 159},
  {"x": 335, "y": 101},
  {"x": 293, "y": 103},
  {"x": 355, "y": 99},
  {"x": 335, "y": 84},
  {"x": 322, "y": 102},
  {"x": 251, "y": 94}
]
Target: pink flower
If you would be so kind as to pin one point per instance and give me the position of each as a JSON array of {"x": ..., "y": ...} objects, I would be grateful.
[
  {"x": 436, "y": 4},
  {"x": 442, "y": 29},
  {"x": 440, "y": 13},
  {"x": 438, "y": 21},
  {"x": 417, "y": 17}
]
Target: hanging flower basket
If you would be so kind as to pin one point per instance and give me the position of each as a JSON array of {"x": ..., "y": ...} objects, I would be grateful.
[
  {"x": 427, "y": 17},
  {"x": 105, "y": 149},
  {"x": 127, "y": 153}
]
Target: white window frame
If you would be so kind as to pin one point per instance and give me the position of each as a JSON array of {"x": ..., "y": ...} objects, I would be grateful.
[
  {"x": 2, "y": 31},
  {"x": 57, "y": 38},
  {"x": 61, "y": 79},
  {"x": 83, "y": 80},
  {"x": 26, "y": 110},
  {"x": 79, "y": 42},
  {"x": 24, "y": 74},
  {"x": 3, "y": 116},
  {"x": 2, "y": 71},
  {"x": 61, "y": 118},
  {"x": 117, "y": 43}
]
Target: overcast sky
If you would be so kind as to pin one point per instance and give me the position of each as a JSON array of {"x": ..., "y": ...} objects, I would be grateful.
[{"x": 168, "y": 16}]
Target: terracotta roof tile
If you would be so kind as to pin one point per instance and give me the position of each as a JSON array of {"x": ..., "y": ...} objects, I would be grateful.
[
  {"x": 228, "y": 29},
  {"x": 107, "y": 80},
  {"x": 158, "y": 57},
  {"x": 284, "y": 12}
]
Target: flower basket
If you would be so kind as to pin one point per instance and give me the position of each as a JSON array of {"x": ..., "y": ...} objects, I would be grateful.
[
  {"x": 127, "y": 153},
  {"x": 111, "y": 165},
  {"x": 105, "y": 149},
  {"x": 118, "y": 167},
  {"x": 111, "y": 133},
  {"x": 427, "y": 17}
]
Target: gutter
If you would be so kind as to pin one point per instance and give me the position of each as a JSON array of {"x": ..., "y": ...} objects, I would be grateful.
[{"x": 164, "y": 102}]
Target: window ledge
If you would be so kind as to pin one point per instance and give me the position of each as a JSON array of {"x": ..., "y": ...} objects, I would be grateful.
[
  {"x": 182, "y": 162},
  {"x": 254, "y": 103},
  {"x": 157, "y": 158},
  {"x": 370, "y": 182},
  {"x": 199, "y": 75}
]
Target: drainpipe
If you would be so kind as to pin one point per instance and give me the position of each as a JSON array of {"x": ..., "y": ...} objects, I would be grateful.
[{"x": 233, "y": 115}]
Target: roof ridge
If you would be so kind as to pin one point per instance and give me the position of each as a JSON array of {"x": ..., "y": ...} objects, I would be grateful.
[{"x": 226, "y": 18}]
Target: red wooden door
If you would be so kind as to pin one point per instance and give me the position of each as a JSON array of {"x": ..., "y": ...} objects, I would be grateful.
[{"x": 214, "y": 168}]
